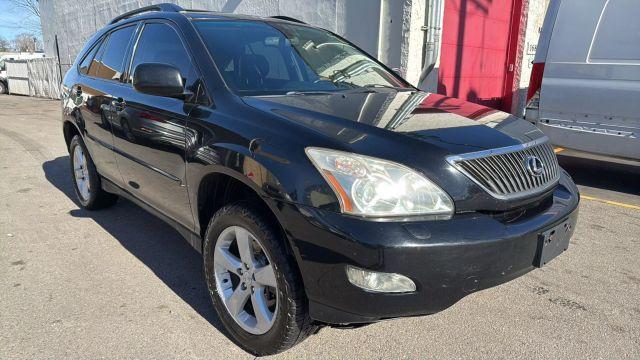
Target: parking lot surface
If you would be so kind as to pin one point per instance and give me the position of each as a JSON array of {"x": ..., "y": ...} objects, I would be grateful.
[{"x": 119, "y": 283}]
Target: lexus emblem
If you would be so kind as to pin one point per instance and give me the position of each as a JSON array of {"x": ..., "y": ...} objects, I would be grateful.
[{"x": 534, "y": 165}]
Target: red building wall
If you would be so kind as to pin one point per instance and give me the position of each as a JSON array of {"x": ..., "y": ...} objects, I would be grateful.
[{"x": 479, "y": 53}]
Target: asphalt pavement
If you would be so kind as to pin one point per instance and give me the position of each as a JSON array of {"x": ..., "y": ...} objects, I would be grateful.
[{"x": 121, "y": 284}]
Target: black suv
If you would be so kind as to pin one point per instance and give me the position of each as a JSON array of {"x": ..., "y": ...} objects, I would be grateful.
[{"x": 320, "y": 187}]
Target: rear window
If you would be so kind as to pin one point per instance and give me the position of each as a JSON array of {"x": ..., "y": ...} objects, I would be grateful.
[{"x": 618, "y": 35}]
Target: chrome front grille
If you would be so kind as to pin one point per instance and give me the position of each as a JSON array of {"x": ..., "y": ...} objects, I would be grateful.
[{"x": 510, "y": 172}]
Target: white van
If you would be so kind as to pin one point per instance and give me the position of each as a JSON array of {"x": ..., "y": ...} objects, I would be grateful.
[{"x": 585, "y": 82}]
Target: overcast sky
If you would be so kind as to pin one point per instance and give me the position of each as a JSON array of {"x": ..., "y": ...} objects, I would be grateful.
[{"x": 14, "y": 21}]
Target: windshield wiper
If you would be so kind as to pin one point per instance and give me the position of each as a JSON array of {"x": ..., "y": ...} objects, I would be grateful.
[
  {"x": 369, "y": 88},
  {"x": 388, "y": 87},
  {"x": 312, "y": 92}
]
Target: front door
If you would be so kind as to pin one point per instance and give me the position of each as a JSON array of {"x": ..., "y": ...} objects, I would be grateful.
[
  {"x": 479, "y": 41},
  {"x": 149, "y": 138}
]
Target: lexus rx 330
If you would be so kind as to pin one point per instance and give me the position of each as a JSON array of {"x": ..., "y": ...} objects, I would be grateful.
[{"x": 319, "y": 186}]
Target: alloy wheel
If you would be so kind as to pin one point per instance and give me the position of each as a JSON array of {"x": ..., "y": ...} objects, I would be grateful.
[
  {"x": 81, "y": 173},
  {"x": 245, "y": 280}
]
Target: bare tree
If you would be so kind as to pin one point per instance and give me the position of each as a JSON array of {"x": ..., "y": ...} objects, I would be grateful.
[
  {"x": 5, "y": 45},
  {"x": 26, "y": 42},
  {"x": 30, "y": 6},
  {"x": 29, "y": 21}
]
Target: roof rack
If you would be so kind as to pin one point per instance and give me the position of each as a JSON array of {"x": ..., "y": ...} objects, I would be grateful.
[
  {"x": 158, "y": 7},
  {"x": 287, "y": 18}
]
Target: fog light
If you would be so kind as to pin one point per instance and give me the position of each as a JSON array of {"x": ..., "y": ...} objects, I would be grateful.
[{"x": 379, "y": 281}]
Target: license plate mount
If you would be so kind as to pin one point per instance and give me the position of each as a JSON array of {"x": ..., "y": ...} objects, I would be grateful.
[{"x": 553, "y": 242}]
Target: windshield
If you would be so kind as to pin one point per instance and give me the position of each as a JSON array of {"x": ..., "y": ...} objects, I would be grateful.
[
  {"x": 257, "y": 58},
  {"x": 1, "y": 64}
]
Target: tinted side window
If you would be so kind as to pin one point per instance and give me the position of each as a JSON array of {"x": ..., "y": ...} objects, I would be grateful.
[
  {"x": 112, "y": 60},
  {"x": 86, "y": 62},
  {"x": 159, "y": 43}
]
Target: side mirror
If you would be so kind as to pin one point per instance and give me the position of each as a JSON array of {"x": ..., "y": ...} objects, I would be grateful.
[{"x": 158, "y": 79}]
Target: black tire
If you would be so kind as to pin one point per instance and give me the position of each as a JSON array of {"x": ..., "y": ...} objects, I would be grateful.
[
  {"x": 98, "y": 198},
  {"x": 3, "y": 88},
  {"x": 292, "y": 323}
]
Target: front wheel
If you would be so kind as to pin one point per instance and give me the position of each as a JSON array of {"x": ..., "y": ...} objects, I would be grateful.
[
  {"x": 3, "y": 88},
  {"x": 253, "y": 282},
  {"x": 86, "y": 179}
]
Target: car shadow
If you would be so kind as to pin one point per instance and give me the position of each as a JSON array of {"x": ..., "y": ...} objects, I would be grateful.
[
  {"x": 603, "y": 175},
  {"x": 149, "y": 239}
]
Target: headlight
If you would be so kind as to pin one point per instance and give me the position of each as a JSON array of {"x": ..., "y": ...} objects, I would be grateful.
[{"x": 368, "y": 186}]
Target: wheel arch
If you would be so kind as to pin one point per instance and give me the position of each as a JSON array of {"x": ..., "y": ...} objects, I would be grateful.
[
  {"x": 69, "y": 129},
  {"x": 222, "y": 186}
]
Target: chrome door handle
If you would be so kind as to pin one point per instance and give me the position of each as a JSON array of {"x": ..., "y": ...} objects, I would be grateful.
[{"x": 118, "y": 105}]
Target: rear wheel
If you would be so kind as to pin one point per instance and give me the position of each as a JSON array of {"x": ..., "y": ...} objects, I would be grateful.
[
  {"x": 254, "y": 284},
  {"x": 86, "y": 180}
]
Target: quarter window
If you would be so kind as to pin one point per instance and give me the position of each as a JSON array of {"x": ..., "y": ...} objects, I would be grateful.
[
  {"x": 111, "y": 64},
  {"x": 88, "y": 59},
  {"x": 94, "y": 68}
]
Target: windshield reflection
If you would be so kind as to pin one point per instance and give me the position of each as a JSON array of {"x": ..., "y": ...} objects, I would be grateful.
[{"x": 276, "y": 58}]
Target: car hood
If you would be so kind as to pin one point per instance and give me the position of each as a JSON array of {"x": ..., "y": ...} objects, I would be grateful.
[
  {"x": 452, "y": 125},
  {"x": 417, "y": 129}
]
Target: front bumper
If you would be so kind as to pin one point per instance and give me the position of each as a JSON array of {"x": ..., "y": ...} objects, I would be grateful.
[{"x": 447, "y": 259}]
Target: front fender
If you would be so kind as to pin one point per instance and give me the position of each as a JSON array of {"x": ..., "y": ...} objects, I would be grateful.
[{"x": 273, "y": 177}]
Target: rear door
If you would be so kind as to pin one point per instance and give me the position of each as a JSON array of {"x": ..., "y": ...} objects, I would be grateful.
[
  {"x": 98, "y": 83},
  {"x": 149, "y": 135},
  {"x": 591, "y": 83}
]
